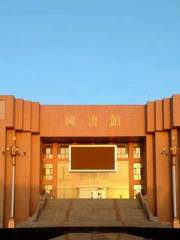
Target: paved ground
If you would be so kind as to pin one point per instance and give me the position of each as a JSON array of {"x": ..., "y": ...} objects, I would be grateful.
[{"x": 93, "y": 212}]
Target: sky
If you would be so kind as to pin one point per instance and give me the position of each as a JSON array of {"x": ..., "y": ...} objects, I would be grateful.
[{"x": 90, "y": 51}]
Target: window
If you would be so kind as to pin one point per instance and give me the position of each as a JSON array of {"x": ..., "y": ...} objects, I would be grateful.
[
  {"x": 48, "y": 188},
  {"x": 136, "y": 151},
  {"x": 63, "y": 152},
  {"x": 48, "y": 152},
  {"x": 137, "y": 189},
  {"x": 122, "y": 151},
  {"x": 137, "y": 170},
  {"x": 48, "y": 171}
]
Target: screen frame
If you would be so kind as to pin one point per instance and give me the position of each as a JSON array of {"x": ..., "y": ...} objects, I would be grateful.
[{"x": 94, "y": 145}]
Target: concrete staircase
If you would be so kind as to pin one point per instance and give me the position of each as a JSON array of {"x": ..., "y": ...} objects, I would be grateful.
[{"x": 93, "y": 212}]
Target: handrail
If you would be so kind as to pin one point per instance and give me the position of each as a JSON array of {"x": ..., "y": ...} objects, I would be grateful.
[
  {"x": 145, "y": 207},
  {"x": 40, "y": 207}
]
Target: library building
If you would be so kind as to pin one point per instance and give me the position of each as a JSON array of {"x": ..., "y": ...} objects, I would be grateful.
[{"x": 89, "y": 152}]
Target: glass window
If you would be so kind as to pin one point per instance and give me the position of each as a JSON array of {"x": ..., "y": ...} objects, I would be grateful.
[
  {"x": 122, "y": 151},
  {"x": 48, "y": 152},
  {"x": 48, "y": 171},
  {"x": 48, "y": 188},
  {"x": 137, "y": 189},
  {"x": 136, "y": 152},
  {"x": 137, "y": 170},
  {"x": 63, "y": 152}
]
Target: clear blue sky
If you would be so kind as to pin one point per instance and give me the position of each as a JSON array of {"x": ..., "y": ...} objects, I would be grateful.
[{"x": 90, "y": 51}]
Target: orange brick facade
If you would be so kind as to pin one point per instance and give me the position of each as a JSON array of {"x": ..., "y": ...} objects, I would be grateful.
[{"x": 155, "y": 125}]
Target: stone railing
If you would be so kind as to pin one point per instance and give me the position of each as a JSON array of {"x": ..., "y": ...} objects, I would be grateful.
[
  {"x": 145, "y": 207},
  {"x": 40, "y": 207}
]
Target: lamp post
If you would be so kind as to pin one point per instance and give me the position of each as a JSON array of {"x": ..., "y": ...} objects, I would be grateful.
[
  {"x": 13, "y": 151},
  {"x": 174, "y": 151}
]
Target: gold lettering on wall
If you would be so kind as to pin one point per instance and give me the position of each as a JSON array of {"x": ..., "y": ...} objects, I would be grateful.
[
  {"x": 70, "y": 120},
  {"x": 2, "y": 110},
  {"x": 115, "y": 121},
  {"x": 93, "y": 121}
]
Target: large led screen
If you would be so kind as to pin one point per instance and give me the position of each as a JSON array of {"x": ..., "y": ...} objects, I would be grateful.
[{"x": 92, "y": 158}]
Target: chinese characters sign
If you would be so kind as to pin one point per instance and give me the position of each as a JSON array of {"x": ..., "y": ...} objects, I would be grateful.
[
  {"x": 2, "y": 110},
  {"x": 113, "y": 121}
]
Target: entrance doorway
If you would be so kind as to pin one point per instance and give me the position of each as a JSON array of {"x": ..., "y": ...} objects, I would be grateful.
[{"x": 92, "y": 192}]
